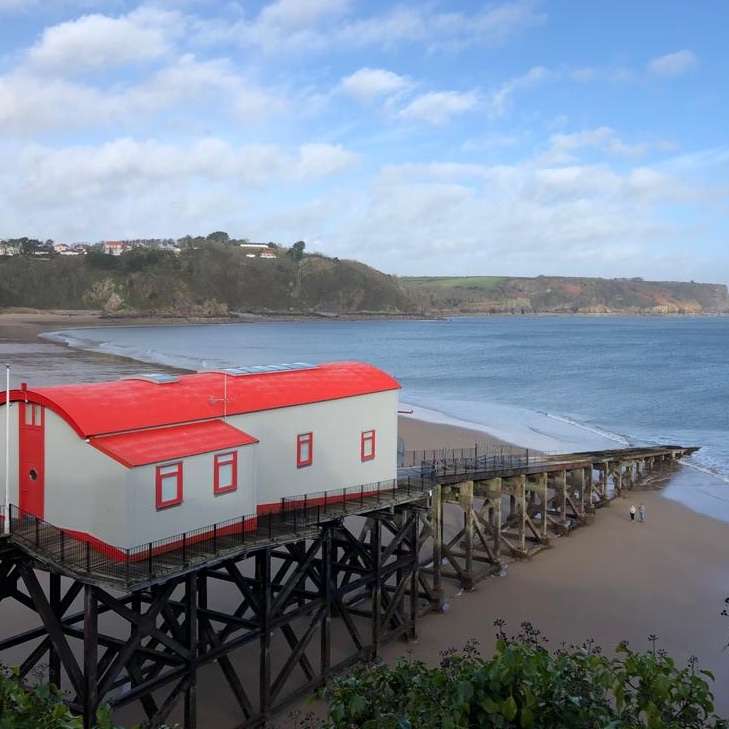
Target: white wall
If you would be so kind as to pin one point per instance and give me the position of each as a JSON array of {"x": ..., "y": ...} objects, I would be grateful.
[
  {"x": 200, "y": 506},
  {"x": 13, "y": 453},
  {"x": 337, "y": 427},
  {"x": 85, "y": 490}
]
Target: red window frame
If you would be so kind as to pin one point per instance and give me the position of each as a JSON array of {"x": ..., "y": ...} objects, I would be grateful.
[
  {"x": 160, "y": 503},
  {"x": 225, "y": 459},
  {"x": 301, "y": 440},
  {"x": 368, "y": 436}
]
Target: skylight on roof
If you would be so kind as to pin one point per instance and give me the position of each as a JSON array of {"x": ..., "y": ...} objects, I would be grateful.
[
  {"x": 157, "y": 378},
  {"x": 264, "y": 369}
]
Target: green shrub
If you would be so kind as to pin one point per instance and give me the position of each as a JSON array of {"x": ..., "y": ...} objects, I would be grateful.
[{"x": 524, "y": 685}]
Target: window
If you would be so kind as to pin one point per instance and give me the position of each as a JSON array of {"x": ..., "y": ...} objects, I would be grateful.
[
  {"x": 225, "y": 472},
  {"x": 304, "y": 450},
  {"x": 367, "y": 445},
  {"x": 33, "y": 415},
  {"x": 169, "y": 485}
]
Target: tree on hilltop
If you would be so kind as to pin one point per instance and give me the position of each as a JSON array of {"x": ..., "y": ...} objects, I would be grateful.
[{"x": 297, "y": 250}]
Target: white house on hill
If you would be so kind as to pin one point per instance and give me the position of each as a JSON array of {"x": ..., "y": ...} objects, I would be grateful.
[{"x": 145, "y": 458}]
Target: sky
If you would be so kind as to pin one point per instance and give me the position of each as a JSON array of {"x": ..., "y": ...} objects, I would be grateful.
[{"x": 521, "y": 137}]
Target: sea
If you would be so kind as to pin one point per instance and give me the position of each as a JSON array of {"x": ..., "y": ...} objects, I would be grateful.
[{"x": 553, "y": 383}]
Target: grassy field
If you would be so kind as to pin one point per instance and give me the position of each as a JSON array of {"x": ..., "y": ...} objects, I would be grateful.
[{"x": 483, "y": 283}]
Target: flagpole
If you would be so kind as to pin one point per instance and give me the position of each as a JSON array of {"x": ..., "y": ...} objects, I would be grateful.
[{"x": 6, "y": 505}]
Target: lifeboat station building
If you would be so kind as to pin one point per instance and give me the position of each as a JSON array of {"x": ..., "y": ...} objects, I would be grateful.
[{"x": 144, "y": 458}]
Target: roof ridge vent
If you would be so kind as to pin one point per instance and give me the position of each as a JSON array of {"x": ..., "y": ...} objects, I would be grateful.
[{"x": 156, "y": 378}]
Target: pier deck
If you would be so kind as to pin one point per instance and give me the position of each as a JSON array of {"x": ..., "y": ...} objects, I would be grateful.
[{"x": 292, "y": 573}]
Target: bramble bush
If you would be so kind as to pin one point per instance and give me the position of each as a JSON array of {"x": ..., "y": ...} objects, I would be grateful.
[
  {"x": 40, "y": 707},
  {"x": 525, "y": 685}
]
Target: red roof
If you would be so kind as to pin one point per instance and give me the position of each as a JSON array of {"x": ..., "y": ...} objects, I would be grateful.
[
  {"x": 113, "y": 407},
  {"x": 163, "y": 444}
]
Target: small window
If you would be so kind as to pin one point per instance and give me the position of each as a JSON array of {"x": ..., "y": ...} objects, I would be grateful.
[
  {"x": 367, "y": 445},
  {"x": 169, "y": 485},
  {"x": 225, "y": 472},
  {"x": 304, "y": 450},
  {"x": 33, "y": 415}
]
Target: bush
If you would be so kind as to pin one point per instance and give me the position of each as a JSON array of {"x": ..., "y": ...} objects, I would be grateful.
[{"x": 526, "y": 685}]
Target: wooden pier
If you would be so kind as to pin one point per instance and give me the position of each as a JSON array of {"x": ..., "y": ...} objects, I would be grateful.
[{"x": 369, "y": 567}]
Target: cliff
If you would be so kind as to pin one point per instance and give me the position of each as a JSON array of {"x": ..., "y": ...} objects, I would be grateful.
[{"x": 556, "y": 294}]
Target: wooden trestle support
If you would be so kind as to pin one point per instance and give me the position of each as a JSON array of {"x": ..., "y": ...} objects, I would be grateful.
[
  {"x": 366, "y": 578},
  {"x": 517, "y": 515},
  {"x": 290, "y": 594}
]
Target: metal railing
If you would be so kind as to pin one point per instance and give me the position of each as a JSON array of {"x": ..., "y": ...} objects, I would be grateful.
[
  {"x": 292, "y": 518},
  {"x": 432, "y": 463}
]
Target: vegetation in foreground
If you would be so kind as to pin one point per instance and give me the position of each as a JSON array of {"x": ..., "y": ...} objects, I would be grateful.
[{"x": 523, "y": 685}]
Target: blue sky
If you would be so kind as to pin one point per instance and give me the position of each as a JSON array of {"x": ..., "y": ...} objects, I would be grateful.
[{"x": 516, "y": 137}]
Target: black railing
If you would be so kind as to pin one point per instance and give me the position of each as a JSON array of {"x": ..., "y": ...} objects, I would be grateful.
[
  {"x": 294, "y": 517},
  {"x": 453, "y": 461}
]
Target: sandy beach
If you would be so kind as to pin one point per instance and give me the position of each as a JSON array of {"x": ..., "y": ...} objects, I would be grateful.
[{"x": 613, "y": 580}]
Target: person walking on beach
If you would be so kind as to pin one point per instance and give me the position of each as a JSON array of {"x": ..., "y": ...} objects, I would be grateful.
[
  {"x": 632, "y": 512},
  {"x": 641, "y": 512}
]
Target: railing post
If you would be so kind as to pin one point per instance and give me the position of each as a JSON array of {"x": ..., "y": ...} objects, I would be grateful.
[
  {"x": 318, "y": 513},
  {"x": 325, "y": 502},
  {"x": 344, "y": 500},
  {"x": 63, "y": 546},
  {"x": 126, "y": 565},
  {"x": 88, "y": 557},
  {"x": 270, "y": 527},
  {"x": 243, "y": 530},
  {"x": 149, "y": 560},
  {"x": 215, "y": 539},
  {"x": 184, "y": 549},
  {"x": 361, "y": 494}
]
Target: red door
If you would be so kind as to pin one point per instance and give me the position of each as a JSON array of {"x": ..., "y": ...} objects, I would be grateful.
[{"x": 31, "y": 458}]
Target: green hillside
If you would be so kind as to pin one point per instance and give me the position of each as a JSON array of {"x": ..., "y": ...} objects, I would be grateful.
[
  {"x": 214, "y": 276},
  {"x": 556, "y": 294},
  {"x": 212, "y": 280}
]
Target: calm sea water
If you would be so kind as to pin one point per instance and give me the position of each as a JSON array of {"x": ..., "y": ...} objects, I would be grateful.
[{"x": 555, "y": 383}]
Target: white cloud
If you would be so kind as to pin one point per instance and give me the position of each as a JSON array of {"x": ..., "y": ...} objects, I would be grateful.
[
  {"x": 132, "y": 187},
  {"x": 112, "y": 174},
  {"x": 369, "y": 83},
  {"x": 674, "y": 64},
  {"x": 528, "y": 218},
  {"x": 30, "y": 102},
  {"x": 99, "y": 41},
  {"x": 319, "y": 25},
  {"x": 437, "y": 107},
  {"x": 322, "y": 160},
  {"x": 295, "y": 14},
  {"x": 501, "y": 99},
  {"x": 564, "y": 146}
]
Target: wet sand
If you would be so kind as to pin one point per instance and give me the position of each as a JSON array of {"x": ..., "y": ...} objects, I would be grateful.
[
  {"x": 425, "y": 435},
  {"x": 611, "y": 581}
]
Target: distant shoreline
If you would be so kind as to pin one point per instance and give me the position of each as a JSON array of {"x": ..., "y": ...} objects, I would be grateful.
[{"x": 23, "y": 324}]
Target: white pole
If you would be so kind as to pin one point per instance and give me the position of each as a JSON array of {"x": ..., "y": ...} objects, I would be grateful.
[{"x": 6, "y": 507}]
